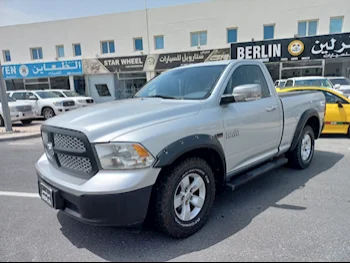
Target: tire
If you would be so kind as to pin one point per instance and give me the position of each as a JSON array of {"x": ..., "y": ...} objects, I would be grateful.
[
  {"x": 168, "y": 217},
  {"x": 26, "y": 122},
  {"x": 48, "y": 113},
  {"x": 303, "y": 154},
  {"x": 2, "y": 122}
]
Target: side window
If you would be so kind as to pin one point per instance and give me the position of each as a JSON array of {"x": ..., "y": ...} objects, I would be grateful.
[
  {"x": 333, "y": 99},
  {"x": 249, "y": 74},
  {"x": 27, "y": 95},
  {"x": 289, "y": 83},
  {"x": 18, "y": 96}
]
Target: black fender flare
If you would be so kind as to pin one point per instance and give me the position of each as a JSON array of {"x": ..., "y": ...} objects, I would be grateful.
[
  {"x": 300, "y": 127},
  {"x": 182, "y": 146}
]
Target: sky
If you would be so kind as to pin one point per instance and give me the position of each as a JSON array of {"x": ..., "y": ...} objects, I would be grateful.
[{"x": 14, "y": 12}]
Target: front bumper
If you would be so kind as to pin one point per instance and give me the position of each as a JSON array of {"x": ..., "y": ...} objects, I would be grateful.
[
  {"x": 110, "y": 198},
  {"x": 60, "y": 110},
  {"x": 19, "y": 116}
]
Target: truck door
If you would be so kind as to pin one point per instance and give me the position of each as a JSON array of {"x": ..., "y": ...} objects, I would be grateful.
[
  {"x": 337, "y": 118},
  {"x": 253, "y": 129}
]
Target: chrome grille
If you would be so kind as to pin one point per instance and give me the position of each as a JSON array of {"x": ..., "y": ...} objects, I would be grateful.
[
  {"x": 68, "y": 143},
  {"x": 74, "y": 163},
  {"x": 24, "y": 108},
  {"x": 69, "y": 103}
]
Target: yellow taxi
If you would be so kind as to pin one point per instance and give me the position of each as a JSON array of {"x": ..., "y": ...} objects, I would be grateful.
[{"x": 337, "y": 118}]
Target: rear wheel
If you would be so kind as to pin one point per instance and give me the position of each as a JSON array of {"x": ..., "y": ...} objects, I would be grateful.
[
  {"x": 48, "y": 113},
  {"x": 303, "y": 154},
  {"x": 185, "y": 198},
  {"x": 2, "y": 123},
  {"x": 26, "y": 122}
]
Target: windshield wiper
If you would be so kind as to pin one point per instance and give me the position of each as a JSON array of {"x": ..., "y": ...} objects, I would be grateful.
[{"x": 163, "y": 97}]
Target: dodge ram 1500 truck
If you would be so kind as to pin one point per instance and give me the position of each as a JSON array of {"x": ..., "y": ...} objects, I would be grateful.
[{"x": 164, "y": 154}]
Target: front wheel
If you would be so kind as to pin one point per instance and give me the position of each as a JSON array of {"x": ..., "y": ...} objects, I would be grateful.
[
  {"x": 185, "y": 198},
  {"x": 303, "y": 154},
  {"x": 26, "y": 122},
  {"x": 48, "y": 113}
]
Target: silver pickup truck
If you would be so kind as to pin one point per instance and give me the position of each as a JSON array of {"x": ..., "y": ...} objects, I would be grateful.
[{"x": 164, "y": 154}]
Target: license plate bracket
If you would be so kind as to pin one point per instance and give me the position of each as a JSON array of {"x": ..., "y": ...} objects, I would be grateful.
[{"x": 46, "y": 194}]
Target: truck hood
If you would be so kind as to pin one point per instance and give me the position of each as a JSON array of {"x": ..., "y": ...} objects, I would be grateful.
[{"x": 105, "y": 122}]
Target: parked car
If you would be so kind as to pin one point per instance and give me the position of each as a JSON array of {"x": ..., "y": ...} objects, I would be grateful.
[
  {"x": 19, "y": 111},
  {"x": 309, "y": 82},
  {"x": 80, "y": 101},
  {"x": 337, "y": 118},
  {"x": 342, "y": 84},
  {"x": 45, "y": 103},
  {"x": 167, "y": 151},
  {"x": 280, "y": 83}
]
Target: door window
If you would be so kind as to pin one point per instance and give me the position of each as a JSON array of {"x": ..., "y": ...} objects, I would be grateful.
[
  {"x": 289, "y": 83},
  {"x": 18, "y": 96},
  {"x": 333, "y": 99},
  {"x": 249, "y": 74}
]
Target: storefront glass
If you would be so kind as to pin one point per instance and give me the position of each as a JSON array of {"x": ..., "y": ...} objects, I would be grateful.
[
  {"x": 129, "y": 84},
  {"x": 61, "y": 83}
]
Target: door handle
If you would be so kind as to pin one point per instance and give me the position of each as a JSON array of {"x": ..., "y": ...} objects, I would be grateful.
[{"x": 271, "y": 109}]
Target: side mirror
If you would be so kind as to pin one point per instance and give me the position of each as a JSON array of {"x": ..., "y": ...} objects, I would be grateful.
[
  {"x": 246, "y": 93},
  {"x": 340, "y": 105},
  {"x": 33, "y": 98},
  {"x": 337, "y": 86}
]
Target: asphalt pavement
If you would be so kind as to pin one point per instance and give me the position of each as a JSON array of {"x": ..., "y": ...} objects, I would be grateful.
[{"x": 286, "y": 215}]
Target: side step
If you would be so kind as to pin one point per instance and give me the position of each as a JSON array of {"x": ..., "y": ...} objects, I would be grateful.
[{"x": 251, "y": 175}]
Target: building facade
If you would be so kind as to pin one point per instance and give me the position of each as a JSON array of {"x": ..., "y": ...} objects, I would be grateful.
[{"x": 117, "y": 54}]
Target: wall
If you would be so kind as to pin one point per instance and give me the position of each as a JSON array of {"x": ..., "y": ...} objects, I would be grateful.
[
  {"x": 175, "y": 23},
  {"x": 109, "y": 80}
]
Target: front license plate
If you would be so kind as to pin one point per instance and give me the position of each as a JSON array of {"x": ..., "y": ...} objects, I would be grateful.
[{"x": 46, "y": 194}]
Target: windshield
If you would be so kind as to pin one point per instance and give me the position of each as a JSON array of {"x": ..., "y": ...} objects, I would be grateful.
[
  {"x": 341, "y": 82},
  {"x": 58, "y": 94},
  {"x": 9, "y": 99},
  {"x": 184, "y": 83},
  {"x": 313, "y": 83},
  {"x": 47, "y": 95},
  {"x": 71, "y": 94}
]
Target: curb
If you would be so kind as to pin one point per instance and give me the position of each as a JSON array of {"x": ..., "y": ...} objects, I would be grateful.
[{"x": 21, "y": 137}]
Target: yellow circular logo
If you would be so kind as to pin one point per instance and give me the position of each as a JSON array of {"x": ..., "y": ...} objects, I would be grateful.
[{"x": 296, "y": 47}]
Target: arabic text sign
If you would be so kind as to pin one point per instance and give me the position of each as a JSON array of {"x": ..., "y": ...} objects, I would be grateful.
[
  {"x": 42, "y": 70},
  {"x": 316, "y": 47}
]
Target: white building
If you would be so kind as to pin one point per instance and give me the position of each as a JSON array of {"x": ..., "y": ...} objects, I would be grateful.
[{"x": 87, "y": 42}]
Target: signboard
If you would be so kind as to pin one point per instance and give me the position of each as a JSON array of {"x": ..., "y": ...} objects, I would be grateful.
[
  {"x": 159, "y": 62},
  {"x": 43, "y": 70},
  {"x": 315, "y": 47},
  {"x": 173, "y": 60}
]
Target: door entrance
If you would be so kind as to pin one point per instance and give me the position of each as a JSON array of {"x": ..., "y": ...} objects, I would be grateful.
[{"x": 293, "y": 69}]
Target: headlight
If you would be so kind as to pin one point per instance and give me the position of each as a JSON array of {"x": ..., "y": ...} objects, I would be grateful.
[
  {"x": 123, "y": 156},
  {"x": 81, "y": 101},
  {"x": 13, "y": 109},
  {"x": 58, "y": 104}
]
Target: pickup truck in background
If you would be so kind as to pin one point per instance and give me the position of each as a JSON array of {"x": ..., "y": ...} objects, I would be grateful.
[
  {"x": 46, "y": 104},
  {"x": 164, "y": 154},
  {"x": 19, "y": 111}
]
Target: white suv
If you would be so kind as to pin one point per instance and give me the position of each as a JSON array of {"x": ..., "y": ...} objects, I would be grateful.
[
  {"x": 80, "y": 101},
  {"x": 19, "y": 111},
  {"x": 45, "y": 103}
]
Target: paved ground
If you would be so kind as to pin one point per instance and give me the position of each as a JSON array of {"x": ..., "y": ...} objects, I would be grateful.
[
  {"x": 21, "y": 131},
  {"x": 286, "y": 215}
]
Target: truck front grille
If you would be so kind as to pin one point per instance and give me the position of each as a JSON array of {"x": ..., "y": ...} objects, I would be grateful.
[
  {"x": 90, "y": 101},
  {"x": 70, "y": 103},
  {"x": 24, "y": 108},
  {"x": 69, "y": 151}
]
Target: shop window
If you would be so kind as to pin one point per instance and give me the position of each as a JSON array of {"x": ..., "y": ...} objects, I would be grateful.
[
  {"x": 77, "y": 50},
  {"x": 199, "y": 39},
  {"x": 336, "y": 25},
  {"x": 232, "y": 35},
  {"x": 36, "y": 53},
  {"x": 269, "y": 31},
  {"x": 60, "y": 83},
  {"x": 60, "y": 51},
  {"x": 6, "y": 55},
  {"x": 79, "y": 85},
  {"x": 159, "y": 42},
  {"x": 307, "y": 28},
  {"x": 102, "y": 90},
  {"x": 138, "y": 44},
  {"x": 107, "y": 47},
  {"x": 14, "y": 84}
]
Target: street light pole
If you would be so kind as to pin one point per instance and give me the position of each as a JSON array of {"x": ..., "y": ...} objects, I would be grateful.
[
  {"x": 148, "y": 41},
  {"x": 4, "y": 103}
]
